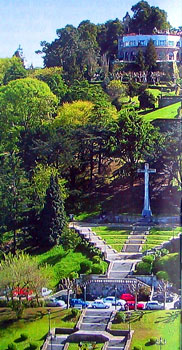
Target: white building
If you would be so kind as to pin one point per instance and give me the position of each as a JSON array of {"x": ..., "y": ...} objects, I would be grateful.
[{"x": 168, "y": 46}]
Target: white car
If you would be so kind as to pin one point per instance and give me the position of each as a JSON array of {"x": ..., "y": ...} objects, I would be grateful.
[
  {"x": 113, "y": 301},
  {"x": 100, "y": 304},
  {"x": 55, "y": 302},
  {"x": 153, "y": 305},
  {"x": 45, "y": 291}
]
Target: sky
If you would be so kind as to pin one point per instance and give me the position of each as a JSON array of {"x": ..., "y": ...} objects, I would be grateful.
[{"x": 28, "y": 22}]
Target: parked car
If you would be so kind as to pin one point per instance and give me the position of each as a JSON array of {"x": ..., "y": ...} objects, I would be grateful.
[
  {"x": 131, "y": 305},
  {"x": 111, "y": 300},
  {"x": 153, "y": 305},
  {"x": 81, "y": 302},
  {"x": 100, "y": 304},
  {"x": 55, "y": 302},
  {"x": 127, "y": 297},
  {"x": 45, "y": 291},
  {"x": 177, "y": 304},
  {"x": 22, "y": 292},
  {"x": 160, "y": 298}
]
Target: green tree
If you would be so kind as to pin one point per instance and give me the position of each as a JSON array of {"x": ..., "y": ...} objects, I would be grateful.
[
  {"x": 135, "y": 140},
  {"x": 52, "y": 216},
  {"x": 15, "y": 71},
  {"x": 24, "y": 103},
  {"x": 150, "y": 56},
  {"x": 145, "y": 18},
  {"x": 53, "y": 78},
  {"x": 21, "y": 271},
  {"x": 140, "y": 60},
  {"x": 15, "y": 195}
]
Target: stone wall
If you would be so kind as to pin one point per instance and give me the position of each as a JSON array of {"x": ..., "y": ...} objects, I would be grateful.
[{"x": 168, "y": 100}]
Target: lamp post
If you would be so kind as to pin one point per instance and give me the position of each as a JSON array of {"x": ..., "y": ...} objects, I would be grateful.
[
  {"x": 49, "y": 318},
  {"x": 161, "y": 342},
  {"x": 115, "y": 289}
]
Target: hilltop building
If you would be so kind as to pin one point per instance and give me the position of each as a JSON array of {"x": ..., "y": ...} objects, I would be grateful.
[{"x": 168, "y": 46}]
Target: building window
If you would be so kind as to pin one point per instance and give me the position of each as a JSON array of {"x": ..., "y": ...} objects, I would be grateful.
[
  {"x": 162, "y": 42},
  {"x": 132, "y": 43},
  {"x": 141, "y": 42},
  {"x": 171, "y": 56}
]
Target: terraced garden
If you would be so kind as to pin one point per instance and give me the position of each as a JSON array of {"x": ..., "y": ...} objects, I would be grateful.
[
  {"x": 113, "y": 236},
  {"x": 159, "y": 235}
]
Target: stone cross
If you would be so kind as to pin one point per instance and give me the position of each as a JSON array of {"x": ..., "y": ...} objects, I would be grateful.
[{"x": 146, "y": 212}]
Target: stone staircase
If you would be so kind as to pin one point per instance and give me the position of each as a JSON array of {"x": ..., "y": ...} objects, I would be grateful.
[
  {"x": 56, "y": 342},
  {"x": 135, "y": 240},
  {"x": 116, "y": 344}
]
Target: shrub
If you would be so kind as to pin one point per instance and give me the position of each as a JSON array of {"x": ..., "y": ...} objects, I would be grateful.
[
  {"x": 143, "y": 268},
  {"x": 12, "y": 346},
  {"x": 153, "y": 340},
  {"x": 96, "y": 259},
  {"x": 147, "y": 100},
  {"x": 148, "y": 259},
  {"x": 137, "y": 348},
  {"x": 33, "y": 346},
  {"x": 23, "y": 336},
  {"x": 85, "y": 266},
  {"x": 74, "y": 312},
  {"x": 3, "y": 303},
  {"x": 97, "y": 268},
  {"x": 120, "y": 317}
]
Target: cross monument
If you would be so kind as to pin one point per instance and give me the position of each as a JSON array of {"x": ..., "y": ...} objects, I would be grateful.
[{"x": 146, "y": 212}]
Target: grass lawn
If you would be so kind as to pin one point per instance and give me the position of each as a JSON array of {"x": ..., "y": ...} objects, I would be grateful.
[
  {"x": 34, "y": 323},
  {"x": 61, "y": 263},
  {"x": 86, "y": 346},
  {"x": 113, "y": 236},
  {"x": 158, "y": 323},
  {"x": 169, "y": 112}
]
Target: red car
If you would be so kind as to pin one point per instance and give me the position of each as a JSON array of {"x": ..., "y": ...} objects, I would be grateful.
[
  {"x": 127, "y": 297},
  {"x": 22, "y": 292},
  {"x": 130, "y": 305}
]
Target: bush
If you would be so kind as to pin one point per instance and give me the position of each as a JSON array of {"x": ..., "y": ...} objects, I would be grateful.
[
  {"x": 147, "y": 100},
  {"x": 12, "y": 346},
  {"x": 33, "y": 346},
  {"x": 148, "y": 259},
  {"x": 74, "y": 312},
  {"x": 143, "y": 268},
  {"x": 137, "y": 348},
  {"x": 85, "y": 266},
  {"x": 23, "y": 336},
  {"x": 96, "y": 259},
  {"x": 120, "y": 317},
  {"x": 3, "y": 303},
  {"x": 153, "y": 341},
  {"x": 97, "y": 268}
]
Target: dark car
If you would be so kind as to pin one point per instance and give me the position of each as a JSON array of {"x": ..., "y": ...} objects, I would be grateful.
[
  {"x": 177, "y": 304},
  {"x": 160, "y": 298},
  {"x": 75, "y": 302}
]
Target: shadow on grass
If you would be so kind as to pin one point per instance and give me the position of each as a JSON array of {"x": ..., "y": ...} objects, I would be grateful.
[
  {"x": 170, "y": 317},
  {"x": 148, "y": 343},
  {"x": 136, "y": 316},
  {"x": 18, "y": 340},
  {"x": 53, "y": 260}
]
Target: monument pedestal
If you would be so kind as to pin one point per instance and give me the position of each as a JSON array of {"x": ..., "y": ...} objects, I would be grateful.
[{"x": 146, "y": 213}]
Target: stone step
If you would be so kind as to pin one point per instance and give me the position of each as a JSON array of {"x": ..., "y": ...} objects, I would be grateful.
[
  {"x": 132, "y": 248},
  {"x": 92, "y": 327},
  {"x": 118, "y": 274}
]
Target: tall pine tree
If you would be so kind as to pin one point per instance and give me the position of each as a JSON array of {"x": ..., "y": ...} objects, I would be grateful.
[{"x": 52, "y": 216}]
